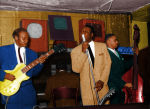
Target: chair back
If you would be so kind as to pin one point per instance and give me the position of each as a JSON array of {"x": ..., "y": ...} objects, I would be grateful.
[{"x": 65, "y": 93}]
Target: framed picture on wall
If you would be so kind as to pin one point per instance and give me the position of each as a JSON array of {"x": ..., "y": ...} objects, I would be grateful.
[
  {"x": 60, "y": 27},
  {"x": 98, "y": 26},
  {"x": 37, "y": 30}
]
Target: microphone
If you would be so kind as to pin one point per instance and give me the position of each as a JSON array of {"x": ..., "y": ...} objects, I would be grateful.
[{"x": 83, "y": 38}]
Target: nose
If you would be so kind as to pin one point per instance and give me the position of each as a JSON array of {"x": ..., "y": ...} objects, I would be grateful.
[{"x": 25, "y": 41}]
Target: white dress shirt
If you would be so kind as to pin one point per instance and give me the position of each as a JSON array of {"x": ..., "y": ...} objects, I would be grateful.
[
  {"x": 92, "y": 47},
  {"x": 22, "y": 53}
]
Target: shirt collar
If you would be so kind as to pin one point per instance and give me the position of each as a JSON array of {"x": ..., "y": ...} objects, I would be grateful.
[
  {"x": 16, "y": 46},
  {"x": 92, "y": 47},
  {"x": 114, "y": 51},
  {"x": 91, "y": 43},
  {"x": 111, "y": 49}
]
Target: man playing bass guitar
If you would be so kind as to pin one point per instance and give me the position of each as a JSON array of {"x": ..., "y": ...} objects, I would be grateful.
[{"x": 118, "y": 67}]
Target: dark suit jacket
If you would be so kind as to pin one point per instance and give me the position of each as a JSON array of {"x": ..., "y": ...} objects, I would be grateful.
[
  {"x": 26, "y": 96},
  {"x": 118, "y": 68},
  {"x": 70, "y": 80}
]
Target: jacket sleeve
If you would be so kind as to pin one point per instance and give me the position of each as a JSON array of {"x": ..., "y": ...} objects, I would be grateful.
[
  {"x": 78, "y": 59},
  {"x": 2, "y": 75},
  {"x": 107, "y": 65},
  {"x": 115, "y": 82},
  {"x": 115, "y": 78}
]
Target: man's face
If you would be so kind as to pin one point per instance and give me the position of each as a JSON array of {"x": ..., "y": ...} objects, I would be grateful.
[
  {"x": 87, "y": 34},
  {"x": 112, "y": 42},
  {"x": 23, "y": 39}
]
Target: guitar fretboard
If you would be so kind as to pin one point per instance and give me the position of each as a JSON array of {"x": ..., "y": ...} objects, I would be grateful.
[{"x": 35, "y": 62}]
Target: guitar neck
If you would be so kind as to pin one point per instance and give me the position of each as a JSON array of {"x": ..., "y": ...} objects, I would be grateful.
[
  {"x": 135, "y": 68},
  {"x": 135, "y": 73},
  {"x": 37, "y": 61}
]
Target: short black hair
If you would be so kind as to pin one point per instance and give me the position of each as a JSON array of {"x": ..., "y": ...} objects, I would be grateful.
[
  {"x": 17, "y": 31},
  {"x": 107, "y": 36},
  {"x": 92, "y": 30},
  {"x": 91, "y": 27}
]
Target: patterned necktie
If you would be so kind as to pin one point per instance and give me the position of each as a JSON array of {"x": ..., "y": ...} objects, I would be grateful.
[
  {"x": 21, "y": 61},
  {"x": 91, "y": 55}
]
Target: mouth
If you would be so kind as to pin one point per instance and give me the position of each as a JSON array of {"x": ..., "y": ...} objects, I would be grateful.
[{"x": 24, "y": 44}]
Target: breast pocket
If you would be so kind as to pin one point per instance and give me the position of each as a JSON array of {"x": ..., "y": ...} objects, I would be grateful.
[
  {"x": 101, "y": 54},
  {"x": 99, "y": 59}
]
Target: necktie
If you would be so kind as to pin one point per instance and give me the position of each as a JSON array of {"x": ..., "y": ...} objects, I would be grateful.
[
  {"x": 21, "y": 61},
  {"x": 91, "y": 55},
  {"x": 116, "y": 53}
]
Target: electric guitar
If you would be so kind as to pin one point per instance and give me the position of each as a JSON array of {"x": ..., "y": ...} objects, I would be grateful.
[
  {"x": 108, "y": 95},
  {"x": 8, "y": 87}
]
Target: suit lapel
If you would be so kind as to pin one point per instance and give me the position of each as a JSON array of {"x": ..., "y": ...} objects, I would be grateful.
[
  {"x": 96, "y": 55},
  {"x": 13, "y": 53},
  {"x": 27, "y": 56},
  {"x": 113, "y": 55},
  {"x": 120, "y": 57}
]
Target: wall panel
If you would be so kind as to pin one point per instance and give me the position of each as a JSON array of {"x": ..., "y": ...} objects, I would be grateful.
[{"x": 114, "y": 23}]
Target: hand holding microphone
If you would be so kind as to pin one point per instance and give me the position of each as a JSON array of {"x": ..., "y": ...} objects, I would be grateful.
[
  {"x": 83, "y": 38},
  {"x": 85, "y": 44}
]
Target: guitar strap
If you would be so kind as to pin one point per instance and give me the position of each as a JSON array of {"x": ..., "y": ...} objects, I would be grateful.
[{"x": 6, "y": 100}]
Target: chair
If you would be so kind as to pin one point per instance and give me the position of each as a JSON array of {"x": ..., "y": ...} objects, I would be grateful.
[{"x": 65, "y": 93}]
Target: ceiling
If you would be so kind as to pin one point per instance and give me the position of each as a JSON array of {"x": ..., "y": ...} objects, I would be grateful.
[{"x": 82, "y": 6}]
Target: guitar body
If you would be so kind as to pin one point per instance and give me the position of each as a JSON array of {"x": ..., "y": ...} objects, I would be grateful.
[
  {"x": 8, "y": 87},
  {"x": 133, "y": 96}
]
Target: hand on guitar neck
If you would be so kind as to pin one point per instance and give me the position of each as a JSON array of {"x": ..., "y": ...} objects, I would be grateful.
[{"x": 136, "y": 51}]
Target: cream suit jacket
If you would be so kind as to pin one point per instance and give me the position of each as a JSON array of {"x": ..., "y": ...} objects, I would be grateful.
[{"x": 102, "y": 64}]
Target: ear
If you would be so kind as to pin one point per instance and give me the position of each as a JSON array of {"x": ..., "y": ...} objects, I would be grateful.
[
  {"x": 108, "y": 42},
  {"x": 16, "y": 37},
  {"x": 92, "y": 35}
]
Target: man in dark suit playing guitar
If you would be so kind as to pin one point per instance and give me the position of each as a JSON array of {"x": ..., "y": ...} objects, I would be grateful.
[{"x": 25, "y": 97}]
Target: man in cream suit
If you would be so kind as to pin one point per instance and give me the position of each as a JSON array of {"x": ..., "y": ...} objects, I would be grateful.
[{"x": 100, "y": 67}]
